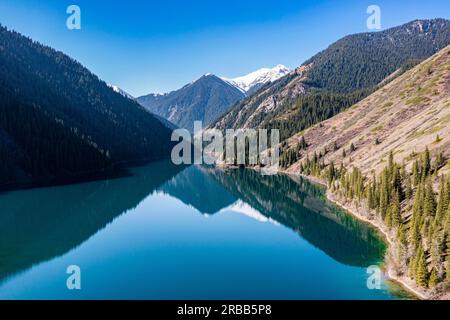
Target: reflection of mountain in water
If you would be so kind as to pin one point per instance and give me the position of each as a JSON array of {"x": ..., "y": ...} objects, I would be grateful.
[
  {"x": 39, "y": 224},
  {"x": 195, "y": 188},
  {"x": 302, "y": 207}
]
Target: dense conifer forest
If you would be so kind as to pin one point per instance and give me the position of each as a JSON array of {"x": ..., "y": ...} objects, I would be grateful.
[
  {"x": 407, "y": 204},
  {"x": 58, "y": 119}
]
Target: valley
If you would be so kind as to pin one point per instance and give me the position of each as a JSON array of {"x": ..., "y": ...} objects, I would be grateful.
[{"x": 88, "y": 175}]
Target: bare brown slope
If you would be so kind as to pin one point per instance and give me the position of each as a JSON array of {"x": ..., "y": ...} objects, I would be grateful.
[{"x": 405, "y": 116}]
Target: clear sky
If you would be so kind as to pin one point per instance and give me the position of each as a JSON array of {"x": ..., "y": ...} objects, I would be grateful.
[{"x": 148, "y": 46}]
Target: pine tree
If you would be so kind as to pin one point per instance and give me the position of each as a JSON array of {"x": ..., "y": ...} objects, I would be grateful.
[
  {"x": 421, "y": 268},
  {"x": 384, "y": 196},
  {"x": 429, "y": 204},
  {"x": 395, "y": 211},
  {"x": 438, "y": 162},
  {"x": 433, "y": 279},
  {"x": 391, "y": 162},
  {"x": 402, "y": 243},
  {"x": 388, "y": 218},
  {"x": 408, "y": 188},
  {"x": 415, "y": 173},
  {"x": 426, "y": 164},
  {"x": 397, "y": 182},
  {"x": 443, "y": 202}
]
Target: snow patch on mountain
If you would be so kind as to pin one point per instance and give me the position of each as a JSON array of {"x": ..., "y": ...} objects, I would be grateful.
[
  {"x": 246, "y": 210},
  {"x": 120, "y": 91},
  {"x": 258, "y": 78}
]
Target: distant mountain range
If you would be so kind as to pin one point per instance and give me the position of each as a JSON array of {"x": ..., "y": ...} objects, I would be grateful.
[
  {"x": 208, "y": 97},
  {"x": 336, "y": 78},
  {"x": 58, "y": 120}
]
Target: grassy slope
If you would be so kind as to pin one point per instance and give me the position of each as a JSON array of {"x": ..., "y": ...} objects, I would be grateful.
[{"x": 406, "y": 115}]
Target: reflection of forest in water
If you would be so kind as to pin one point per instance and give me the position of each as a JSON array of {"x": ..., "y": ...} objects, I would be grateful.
[
  {"x": 292, "y": 201},
  {"x": 37, "y": 225}
]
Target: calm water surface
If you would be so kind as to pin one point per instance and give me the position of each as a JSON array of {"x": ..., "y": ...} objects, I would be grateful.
[{"x": 166, "y": 232}]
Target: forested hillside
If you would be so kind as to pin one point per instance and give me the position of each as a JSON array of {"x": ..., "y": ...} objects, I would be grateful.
[
  {"x": 57, "y": 119},
  {"x": 336, "y": 78}
]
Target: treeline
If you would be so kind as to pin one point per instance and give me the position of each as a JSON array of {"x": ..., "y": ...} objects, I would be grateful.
[
  {"x": 298, "y": 114},
  {"x": 408, "y": 206}
]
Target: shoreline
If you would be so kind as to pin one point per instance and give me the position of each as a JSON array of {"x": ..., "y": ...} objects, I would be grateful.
[{"x": 401, "y": 280}]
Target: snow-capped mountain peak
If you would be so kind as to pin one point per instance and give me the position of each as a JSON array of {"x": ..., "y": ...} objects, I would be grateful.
[{"x": 257, "y": 78}]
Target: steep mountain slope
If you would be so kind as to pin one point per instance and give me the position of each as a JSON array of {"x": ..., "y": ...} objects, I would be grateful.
[
  {"x": 253, "y": 81},
  {"x": 202, "y": 100},
  {"x": 404, "y": 116},
  {"x": 337, "y": 77},
  {"x": 57, "y": 119}
]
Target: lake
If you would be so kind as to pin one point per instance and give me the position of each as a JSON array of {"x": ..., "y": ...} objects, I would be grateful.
[{"x": 167, "y": 232}]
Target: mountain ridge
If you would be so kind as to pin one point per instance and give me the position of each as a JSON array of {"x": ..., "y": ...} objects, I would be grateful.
[
  {"x": 339, "y": 76},
  {"x": 205, "y": 99},
  {"x": 201, "y": 100},
  {"x": 59, "y": 120}
]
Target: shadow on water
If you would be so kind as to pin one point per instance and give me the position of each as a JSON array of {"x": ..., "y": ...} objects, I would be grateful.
[{"x": 39, "y": 224}]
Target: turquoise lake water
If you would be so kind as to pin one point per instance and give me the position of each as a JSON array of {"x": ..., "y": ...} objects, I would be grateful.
[{"x": 166, "y": 232}]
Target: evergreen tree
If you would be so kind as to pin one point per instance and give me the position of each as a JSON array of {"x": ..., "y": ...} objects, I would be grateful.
[
  {"x": 426, "y": 164},
  {"x": 395, "y": 211},
  {"x": 443, "y": 202},
  {"x": 408, "y": 188},
  {"x": 429, "y": 204},
  {"x": 421, "y": 268},
  {"x": 433, "y": 281},
  {"x": 402, "y": 243},
  {"x": 416, "y": 173}
]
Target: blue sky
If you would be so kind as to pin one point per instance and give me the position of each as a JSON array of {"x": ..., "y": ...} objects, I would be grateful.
[{"x": 158, "y": 46}]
